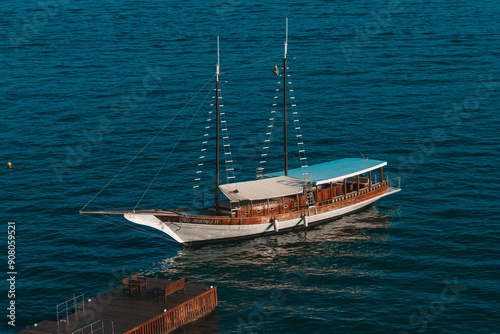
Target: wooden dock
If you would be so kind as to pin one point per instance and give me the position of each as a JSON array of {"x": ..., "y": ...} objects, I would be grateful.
[{"x": 114, "y": 312}]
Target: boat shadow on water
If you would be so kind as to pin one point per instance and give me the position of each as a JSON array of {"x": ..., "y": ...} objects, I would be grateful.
[{"x": 369, "y": 225}]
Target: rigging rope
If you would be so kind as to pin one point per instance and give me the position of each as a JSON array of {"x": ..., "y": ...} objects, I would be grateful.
[
  {"x": 302, "y": 159},
  {"x": 159, "y": 132},
  {"x": 201, "y": 159},
  {"x": 259, "y": 172},
  {"x": 228, "y": 157},
  {"x": 298, "y": 132},
  {"x": 172, "y": 150},
  {"x": 166, "y": 125}
]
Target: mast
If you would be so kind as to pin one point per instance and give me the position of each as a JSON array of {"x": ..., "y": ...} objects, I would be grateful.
[
  {"x": 217, "y": 209},
  {"x": 284, "y": 101}
]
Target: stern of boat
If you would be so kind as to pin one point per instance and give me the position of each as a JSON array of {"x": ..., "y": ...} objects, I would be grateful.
[{"x": 394, "y": 184}]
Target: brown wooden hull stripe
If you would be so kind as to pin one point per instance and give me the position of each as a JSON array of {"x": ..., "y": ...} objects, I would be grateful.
[{"x": 322, "y": 207}]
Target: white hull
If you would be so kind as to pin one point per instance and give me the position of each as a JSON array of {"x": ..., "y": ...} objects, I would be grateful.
[{"x": 187, "y": 232}]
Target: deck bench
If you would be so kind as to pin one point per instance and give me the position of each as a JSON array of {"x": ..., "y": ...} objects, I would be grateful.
[{"x": 171, "y": 288}]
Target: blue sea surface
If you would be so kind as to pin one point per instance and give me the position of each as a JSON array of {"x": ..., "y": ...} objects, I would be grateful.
[{"x": 85, "y": 85}]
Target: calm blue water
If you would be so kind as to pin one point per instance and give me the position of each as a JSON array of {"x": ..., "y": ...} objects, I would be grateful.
[{"x": 85, "y": 85}]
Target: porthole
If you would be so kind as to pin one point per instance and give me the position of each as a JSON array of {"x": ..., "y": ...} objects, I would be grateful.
[
  {"x": 272, "y": 209},
  {"x": 295, "y": 204},
  {"x": 258, "y": 211},
  {"x": 285, "y": 206},
  {"x": 247, "y": 212}
]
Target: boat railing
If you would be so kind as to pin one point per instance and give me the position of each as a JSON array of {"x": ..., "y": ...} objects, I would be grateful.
[
  {"x": 394, "y": 183},
  {"x": 97, "y": 327},
  {"x": 355, "y": 193},
  {"x": 72, "y": 303}
]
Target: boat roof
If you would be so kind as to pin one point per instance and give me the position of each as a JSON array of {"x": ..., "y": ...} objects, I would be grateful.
[
  {"x": 279, "y": 185},
  {"x": 336, "y": 170},
  {"x": 264, "y": 188}
]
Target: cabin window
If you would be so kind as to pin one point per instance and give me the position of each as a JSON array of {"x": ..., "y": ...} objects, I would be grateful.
[
  {"x": 295, "y": 204},
  {"x": 258, "y": 211},
  {"x": 247, "y": 212},
  {"x": 285, "y": 206},
  {"x": 272, "y": 209}
]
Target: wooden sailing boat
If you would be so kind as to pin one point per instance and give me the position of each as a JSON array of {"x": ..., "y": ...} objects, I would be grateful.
[{"x": 281, "y": 201}]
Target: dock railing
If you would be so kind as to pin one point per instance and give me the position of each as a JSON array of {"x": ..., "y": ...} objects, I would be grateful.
[
  {"x": 179, "y": 315},
  {"x": 97, "y": 327},
  {"x": 74, "y": 305}
]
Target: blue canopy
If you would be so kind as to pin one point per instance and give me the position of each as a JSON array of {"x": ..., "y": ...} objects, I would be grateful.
[{"x": 336, "y": 170}]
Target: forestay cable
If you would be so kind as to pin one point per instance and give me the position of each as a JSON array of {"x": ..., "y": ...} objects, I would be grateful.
[
  {"x": 142, "y": 149},
  {"x": 173, "y": 149}
]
